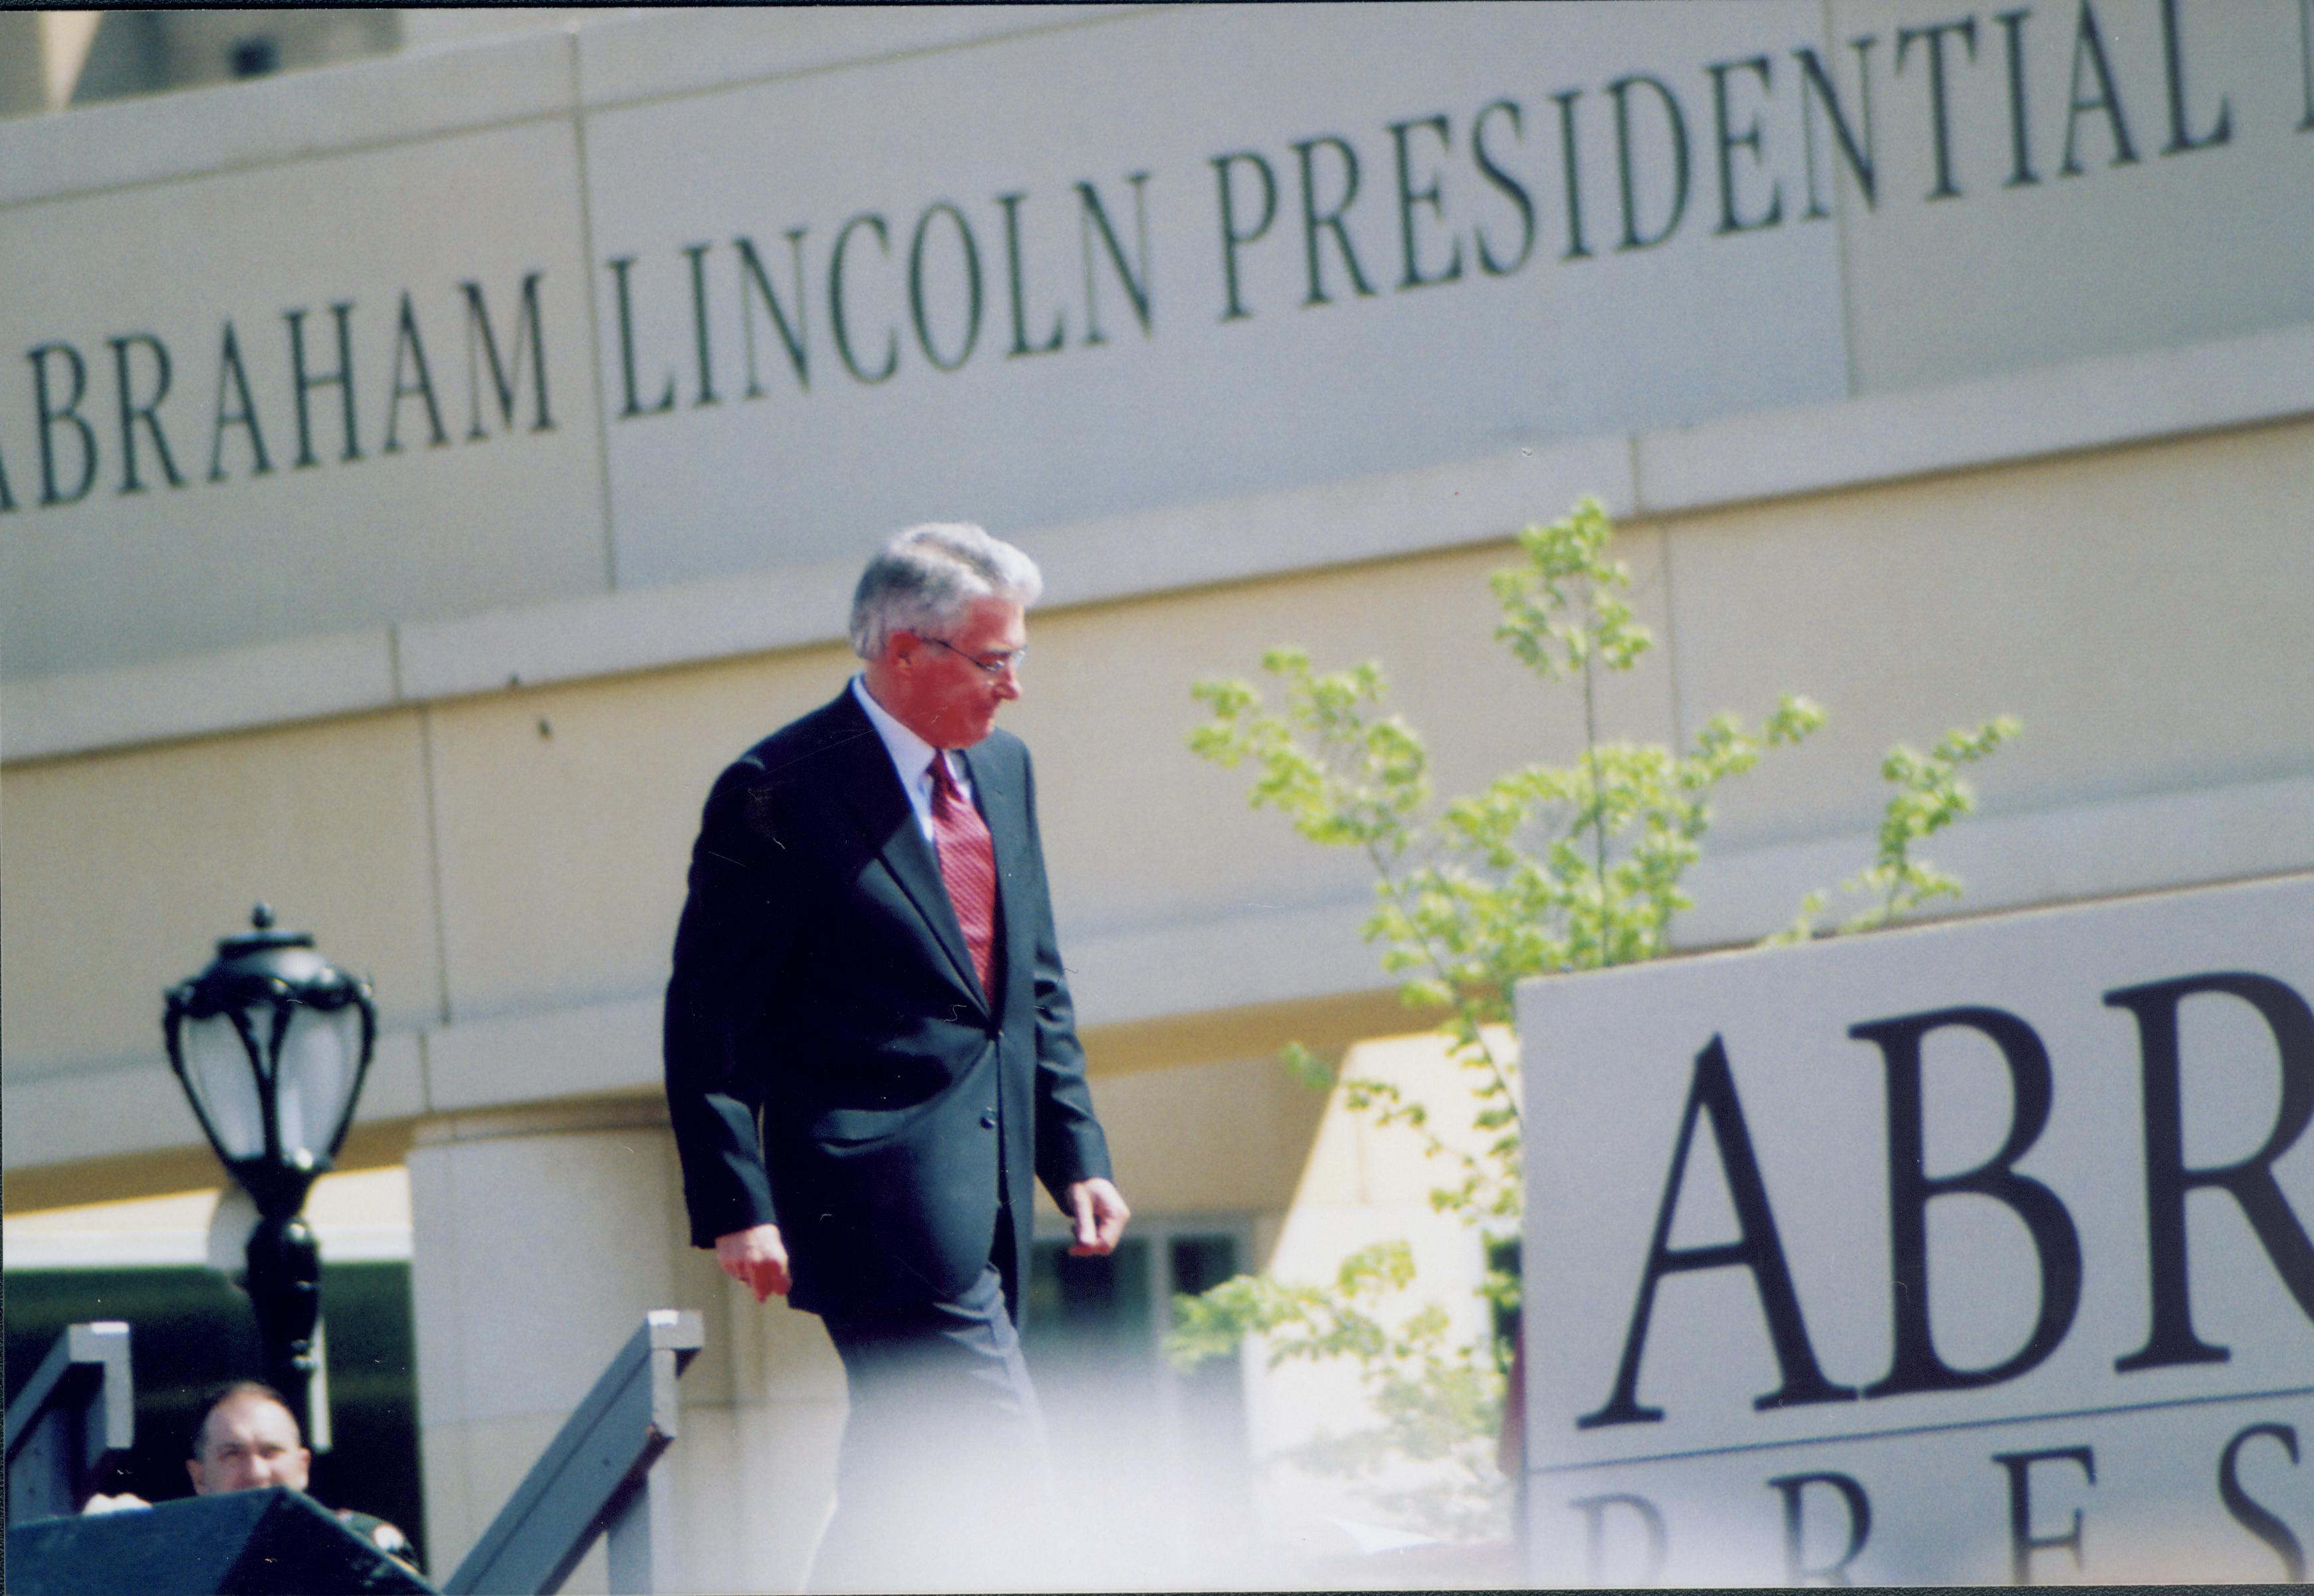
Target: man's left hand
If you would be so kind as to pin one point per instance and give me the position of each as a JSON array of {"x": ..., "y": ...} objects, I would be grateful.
[{"x": 1100, "y": 1212}]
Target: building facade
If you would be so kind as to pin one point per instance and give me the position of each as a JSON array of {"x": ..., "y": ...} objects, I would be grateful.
[{"x": 419, "y": 477}]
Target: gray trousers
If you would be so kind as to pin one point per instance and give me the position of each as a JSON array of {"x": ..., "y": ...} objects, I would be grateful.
[{"x": 944, "y": 1481}]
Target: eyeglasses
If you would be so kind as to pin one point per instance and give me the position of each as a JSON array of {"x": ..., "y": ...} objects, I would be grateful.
[{"x": 994, "y": 667}]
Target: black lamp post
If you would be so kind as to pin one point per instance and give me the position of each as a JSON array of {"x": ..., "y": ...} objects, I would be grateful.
[{"x": 270, "y": 1044}]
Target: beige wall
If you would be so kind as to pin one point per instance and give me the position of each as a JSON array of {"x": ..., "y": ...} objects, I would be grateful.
[
  {"x": 2115, "y": 549},
  {"x": 539, "y": 1242},
  {"x": 2139, "y": 610},
  {"x": 495, "y": 861},
  {"x": 560, "y": 151},
  {"x": 567, "y": 815},
  {"x": 123, "y": 869},
  {"x": 508, "y": 867}
]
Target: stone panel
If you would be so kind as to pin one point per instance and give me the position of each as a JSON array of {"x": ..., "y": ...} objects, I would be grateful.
[
  {"x": 2141, "y": 611},
  {"x": 2169, "y": 245},
  {"x": 1222, "y": 1138},
  {"x": 567, "y": 818},
  {"x": 1309, "y": 373},
  {"x": 123, "y": 871},
  {"x": 1429, "y": 623},
  {"x": 113, "y": 557},
  {"x": 554, "y": 1244}
]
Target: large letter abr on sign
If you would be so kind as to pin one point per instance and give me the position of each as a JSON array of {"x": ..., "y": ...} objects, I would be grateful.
[{"x": 2039, "y": 1186}]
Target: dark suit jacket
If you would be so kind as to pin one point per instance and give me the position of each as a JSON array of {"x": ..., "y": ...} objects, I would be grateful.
[{"x": 822, "y": 989}]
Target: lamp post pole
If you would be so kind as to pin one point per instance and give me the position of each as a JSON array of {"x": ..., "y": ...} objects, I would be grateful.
[
  {"x": 272, "y": 1044},
  {"x": 284, "y": 1292}
]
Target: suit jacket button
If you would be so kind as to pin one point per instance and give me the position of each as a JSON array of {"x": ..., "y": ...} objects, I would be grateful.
[{"x": 988, "y": 1119}]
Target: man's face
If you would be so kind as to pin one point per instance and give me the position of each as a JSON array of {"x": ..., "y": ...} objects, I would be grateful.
[
  {"x": 942, "y": 694},
  {"x": 248, "y": 1443}
]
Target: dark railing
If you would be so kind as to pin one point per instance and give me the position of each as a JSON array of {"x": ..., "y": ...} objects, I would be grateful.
[
  {"x": 595, "y": 1478},
  {"x": 72, "y": 1421}
]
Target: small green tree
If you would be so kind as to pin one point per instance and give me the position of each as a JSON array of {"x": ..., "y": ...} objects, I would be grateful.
[
  {"x": 1546, "y": 868},
  {"x": 1929, "y": 795}
]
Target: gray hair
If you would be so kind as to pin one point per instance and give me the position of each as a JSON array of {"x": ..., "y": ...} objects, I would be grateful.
[{"x": 925, "y": 579}]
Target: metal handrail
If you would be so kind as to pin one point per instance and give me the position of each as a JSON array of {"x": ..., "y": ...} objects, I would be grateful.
[{"x": 72, "y": 1421}]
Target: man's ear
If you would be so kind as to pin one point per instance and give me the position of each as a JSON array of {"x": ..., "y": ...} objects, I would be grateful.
[{"x": 193, "y": 1468}]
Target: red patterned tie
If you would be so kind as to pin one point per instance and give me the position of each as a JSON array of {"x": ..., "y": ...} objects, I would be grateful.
[{"x": 968, "y": 863}]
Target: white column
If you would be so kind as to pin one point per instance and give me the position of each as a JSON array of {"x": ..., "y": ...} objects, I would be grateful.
[{"x": 540, "y": 1237}]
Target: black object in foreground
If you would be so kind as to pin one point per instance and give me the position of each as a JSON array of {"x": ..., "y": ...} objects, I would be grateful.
[{"x": 274, "y": 1542}]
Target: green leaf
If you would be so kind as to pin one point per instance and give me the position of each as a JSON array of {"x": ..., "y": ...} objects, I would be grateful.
[{"x": 1306, "y": 1067}]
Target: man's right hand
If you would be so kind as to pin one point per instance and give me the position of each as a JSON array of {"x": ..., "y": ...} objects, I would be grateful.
[{"x": 756, "y": 1259}]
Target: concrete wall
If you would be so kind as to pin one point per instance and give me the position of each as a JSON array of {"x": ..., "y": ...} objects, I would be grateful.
[
  {"x": 536, "y": 365},
  {"x": 509, "y": 866},
  {"x": 453, "y": 708}
]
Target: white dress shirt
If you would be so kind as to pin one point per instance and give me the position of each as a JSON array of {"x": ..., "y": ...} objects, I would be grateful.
[{"x": 911, "y": 760}]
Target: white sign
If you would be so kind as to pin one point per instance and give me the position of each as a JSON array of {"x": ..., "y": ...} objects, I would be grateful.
[{"x": 1974, "y": 1253}]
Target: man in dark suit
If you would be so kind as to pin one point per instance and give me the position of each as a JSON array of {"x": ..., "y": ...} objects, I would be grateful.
[{"x": 871, "y": 1057}]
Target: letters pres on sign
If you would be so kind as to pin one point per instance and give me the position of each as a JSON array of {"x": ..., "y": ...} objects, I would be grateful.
[{"x": 1978, "y": 1252}]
